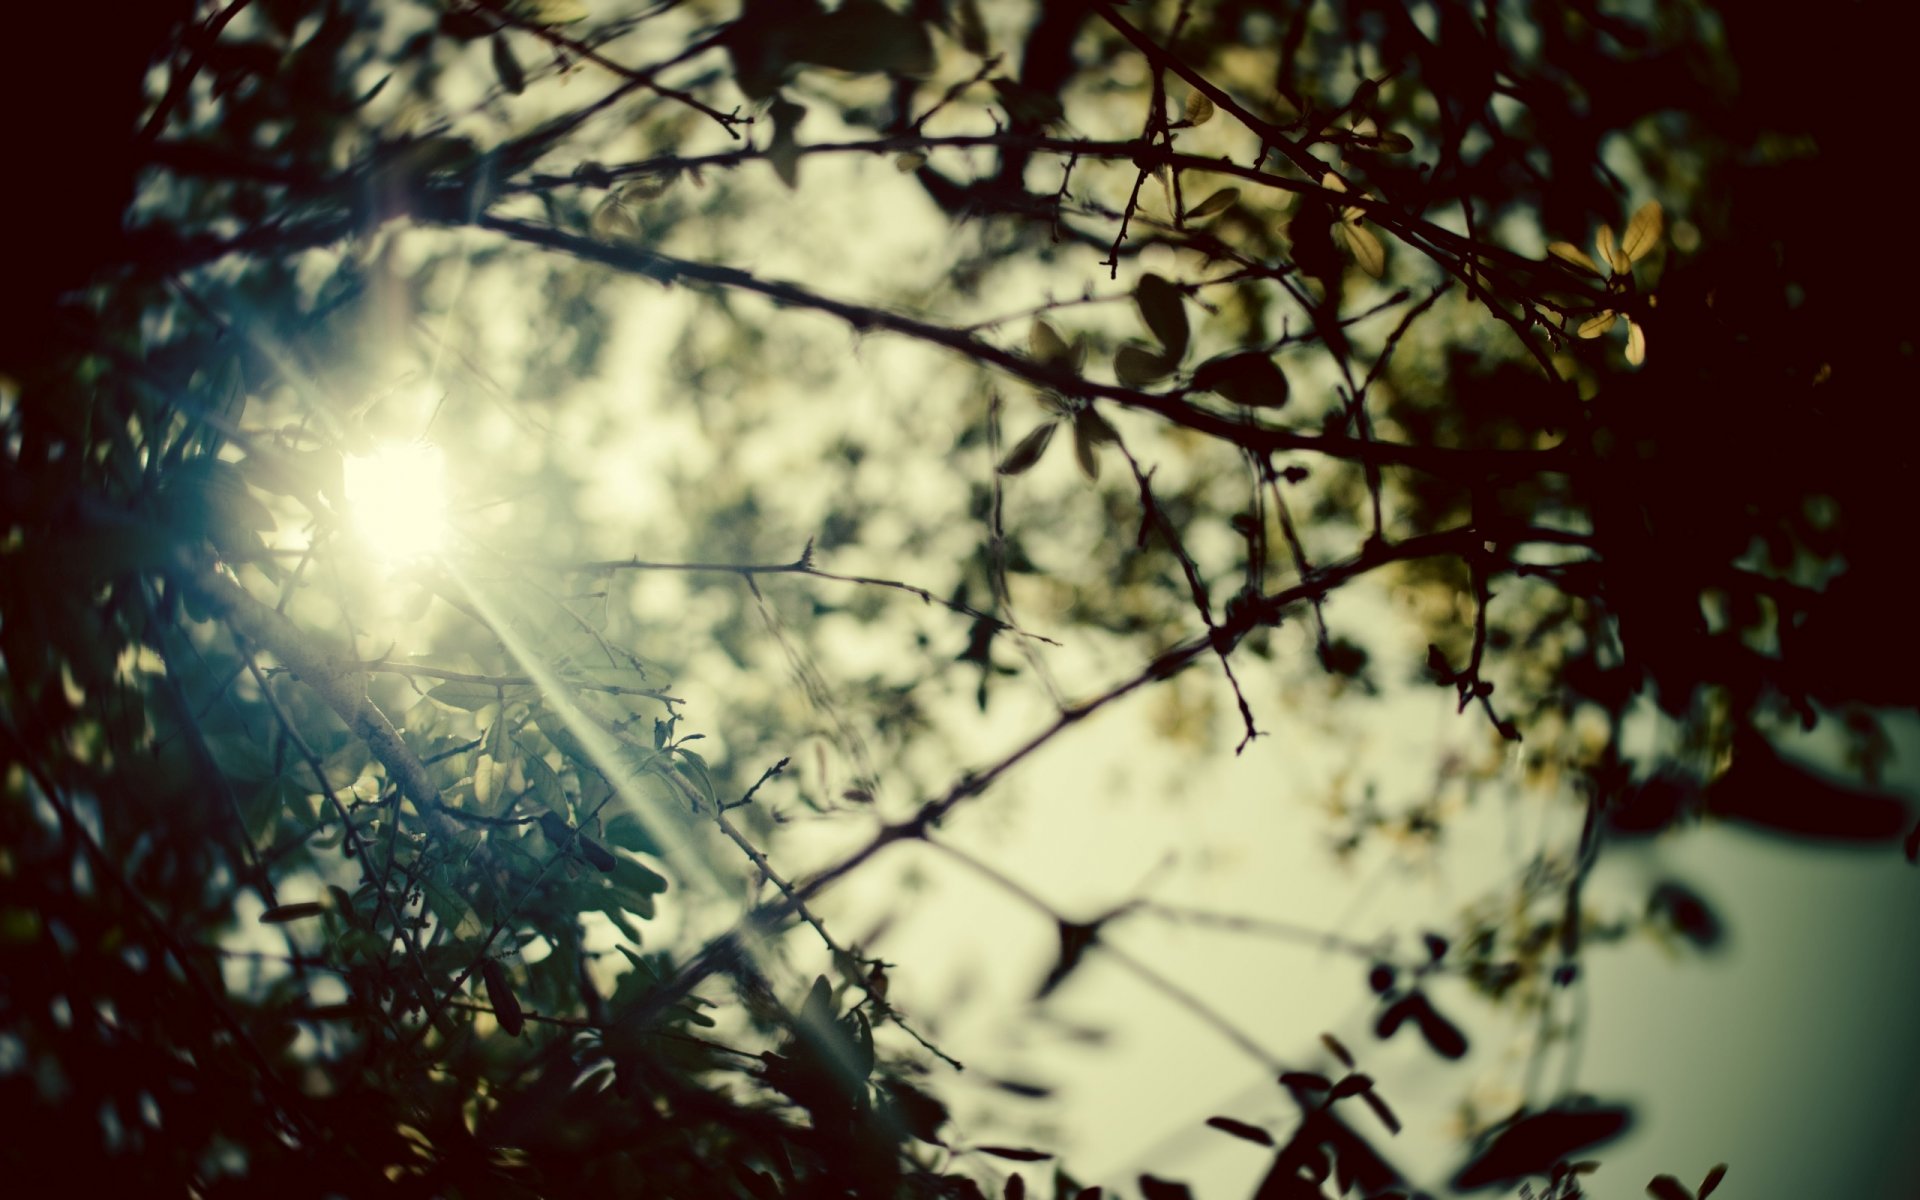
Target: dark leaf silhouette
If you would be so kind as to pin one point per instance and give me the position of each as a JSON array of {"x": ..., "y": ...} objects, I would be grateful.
[
  {"x": 1711, "y": 1182},
  {"x": 1165, "y": 313},
  {"x": 1028, "y": 450},
  {"x": 1666, "y": 1187},
  {"x": 1533, "y": 1144},
  {"x": 1764, "y": 789},
  {"x": 1152, "y": 1188},
  {"x": 1687, "y": 913},
  {"x": 1015, "y": 1153},
  {"x": 1242, "y": 1130},
  {"x": 1074, "y": 941}
]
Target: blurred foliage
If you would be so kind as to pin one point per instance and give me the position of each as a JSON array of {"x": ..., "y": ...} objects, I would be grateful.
[{"x": 1145, "y": 328}]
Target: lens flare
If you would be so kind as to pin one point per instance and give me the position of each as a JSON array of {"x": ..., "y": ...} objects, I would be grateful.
[{"x": 398, "y": 499}]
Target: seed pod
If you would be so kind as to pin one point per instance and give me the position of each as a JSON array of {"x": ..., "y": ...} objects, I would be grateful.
[{"x": 506, "y": 1009}]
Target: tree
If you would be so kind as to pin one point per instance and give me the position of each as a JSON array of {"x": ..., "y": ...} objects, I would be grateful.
[{"x": 339, "y": 823}]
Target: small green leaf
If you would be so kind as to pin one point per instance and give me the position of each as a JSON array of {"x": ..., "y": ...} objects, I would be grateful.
[
  {"x": 1214, "y": 205},
  {"x": 1199, "y": 108}
]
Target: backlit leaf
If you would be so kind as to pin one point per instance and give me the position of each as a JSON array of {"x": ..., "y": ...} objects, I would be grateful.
[
  {"x": 1593, "y": 327},
  {"x": 1643, "y": 231},
  {"x": 1165, "y": 313},
  {"x": 1569, "y": 252},
  {"x": 1136, "y": 366},
  {"x": 1368, "y": 253},
  {"x": 1199, "y": 108},
  {"x": 1214, "y": 205},
  {"x": 1028, "y": 450},
  {"x": 1046, "y": 345}
]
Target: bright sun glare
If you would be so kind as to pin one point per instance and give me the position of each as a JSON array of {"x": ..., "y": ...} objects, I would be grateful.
[{"x": 398, "y": 497}]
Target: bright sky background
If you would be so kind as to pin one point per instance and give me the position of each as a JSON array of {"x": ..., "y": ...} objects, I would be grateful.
[{"x": 1804, "y": 1024}]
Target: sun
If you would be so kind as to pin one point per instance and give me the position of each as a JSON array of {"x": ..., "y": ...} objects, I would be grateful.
[{"x": 397, "y": 496}]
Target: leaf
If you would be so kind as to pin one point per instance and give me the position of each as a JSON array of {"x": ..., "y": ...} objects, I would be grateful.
[
  {"x": 597, "y": 856},
  {"x": 1608, "y": 252},
  {"x": 1029, "y": 449},
  {"x": 1352, "y": 1085},
  {"x": 629, "y": 874},
  {"x": 1016, "y": 1188},
  {"x": 506, "y": 1008},
  {"x": 1569, "y": 252},
  {"x": 1368, "y": 253},
  {"x": 920, "y": 1114},
  {"x": 1242, "y": 1130},
  {"x": 909, "y": 162},
  {"x": 1338, "y": 1049},
  {"x": 1534, "y": 1144},
  {"x": 1162, "y": 1189},
  {"x": 1636, "y": 343},
  {"x": 1441, "y": 1034},
  {"x": 1015, "y": 1153},
  {"x": 543, "y": 781},
  {"x": 1643, "y": 231},
  {"x": 1028, "y": 106},
  {"x": 784, "y": 152},
  {"x": 1381, "y": 143},
  {"x": 1593, "y": 327},
  {"x": 1214, "y": 205},
  {"x": 1381, "y": 1110},
  {"x": 1245, "y": 377},
  {"x": 863, "y": 37},
  {"x": 486, "y": 779},
  {"x": 1712, "y": 1181},
  {"x": 1199, "y": 108},
  {"x": 611, "y": 222},
  {"x": 1046, "y": 345},
  {"x": 280, "y": 914},
  {"x": 1074, "y": 940},
  {"x": 1086, "y": 449},
  {"x": 343, "y": 904},
  {"x": 1306, "y": 1080},
  {"x": 1666, "y": 1187},
  {"x": 1165, "y": 313},
  {"x": 507, "y": 67},
  {"x": 1136, "y": 366},
  {"x": 1687, "y": 913},
  {"x": 627, "y": 832}
]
